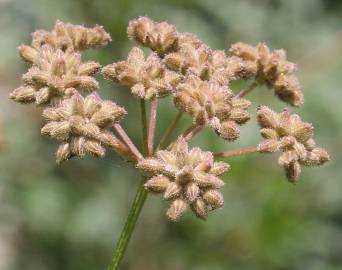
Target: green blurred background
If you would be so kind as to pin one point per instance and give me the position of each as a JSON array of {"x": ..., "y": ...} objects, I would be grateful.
[{"x": 69, "y": 217}]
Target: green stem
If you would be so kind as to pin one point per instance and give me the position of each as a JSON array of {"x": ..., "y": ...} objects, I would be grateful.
[
  {"x": 138, "y": 203},
  {"x": 127, "y": 231}
]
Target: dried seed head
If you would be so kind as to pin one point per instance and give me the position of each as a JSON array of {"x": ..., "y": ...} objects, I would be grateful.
[
  {"x": 177, "y": 209},
  {"x": 211, "y": 104},
  {"x": 190, "y": 60},
  {"x": 213, "y": 198},
  {"x": 28, "y": 54},
  {"x": 66, "y": 36},
  {"x": 159, "y": 37},
  {"x": 63, "y": 152},
  {"x": 23, "y": 94},
  {"x": 189, "y": 38},
  {"x": 81, "y": 123},
  {"x": 269, "y": 145},
  {"x": 185, "y": 177},
  {"x": 287, "y": 132},
  {"x": 54, "y": 76},
  {"x": 147, "y": 77},
  {"x": 200, "y": 208},
  {"x": 272, "y": 69}
]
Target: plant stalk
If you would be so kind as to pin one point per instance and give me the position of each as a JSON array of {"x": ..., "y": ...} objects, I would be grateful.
[
  {"x": 127, "y": 231},
  {"x": 193, "y": 132},
  {"x": 152, "y": 125},
  {"x": 247, "y": 89},
  {"x": 237, "y": 152},
  {"x": 140, "y": 196},
  {"x": 127, "y": 140},
  {"x": 144, "y": 126},
  {"x": 169, "y": 131}
]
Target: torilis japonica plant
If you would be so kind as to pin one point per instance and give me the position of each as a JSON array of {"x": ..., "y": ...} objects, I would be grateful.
[{"x": 199, "y": 80}]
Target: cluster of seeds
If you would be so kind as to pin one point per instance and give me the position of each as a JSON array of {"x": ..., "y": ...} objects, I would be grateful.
[
  {"x": 271, "y": 69},
  {"x": 147, "y": 78},
  {"x": 182, "y": 65},
  {"x": 56, "y": 77},
  {"x": 198, "y": 79},
  {"x": 186, "y": 178},
  {"x": 287, "y": 132},
  {"x": 81, "y": 124},
  {"x": 213, "y": 105},
  {"x": 66, "y": 36}
]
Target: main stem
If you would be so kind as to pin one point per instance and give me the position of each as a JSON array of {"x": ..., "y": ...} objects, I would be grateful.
[
  {"x": 136, "y": 207},
  {"x": 127, "y": 231}
]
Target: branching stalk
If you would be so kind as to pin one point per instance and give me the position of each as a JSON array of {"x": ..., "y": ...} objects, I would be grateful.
[
  {"x": 141, "y": 195},
  {"x": 169, "y": 131},
  {"x": 248, "y": 89},
  {"x": 237, "y": 152},
  {"x": 152, "y": 125},
  {"x": 128, "y": 141},
  {"x": 144, "y": 126},
  {"x": 193, "y": 132}
]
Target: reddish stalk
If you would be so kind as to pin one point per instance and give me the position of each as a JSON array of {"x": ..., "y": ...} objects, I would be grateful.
[
  {"x": 144, "y": 126},
  {"x": 190, "y": 134},
  {"x": 241, "y": 151},
  {"x": 122, "y": 149},
  {"x": 169, "y": 131},
  {"x": 247, "y": 89},
  {"x": 128, "y": 141},
  {"x": 152, "y": 125}
]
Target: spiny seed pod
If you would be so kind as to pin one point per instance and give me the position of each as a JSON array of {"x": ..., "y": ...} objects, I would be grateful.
[
  {"x": 287, "y": 132},
  {"x": 160, "y": 37},
  {"x": 55, "y": 75},
  {"x": 185, "y": 177},
  {"x": 190, "y": 60},
  {"x": 66, "y": 36},
  {"x": 81, "y": 123},
  {"x": 218, "y": 68},
  {"x": 28, "y": 54},
  {"x": 238, "y": 69},
  {"x": 147, "y": 77},
  {"x": 272, "y": 69},
  {"x": 213, "y": 105}
]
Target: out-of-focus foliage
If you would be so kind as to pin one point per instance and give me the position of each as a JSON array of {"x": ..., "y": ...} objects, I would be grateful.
[{"x": 69, "y": 217}]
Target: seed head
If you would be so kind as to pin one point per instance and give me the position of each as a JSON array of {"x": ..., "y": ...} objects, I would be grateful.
[
  {"x": 271, "y": 69},
  {"x": 213, "y": 105},
  {"x": 185, "y": 177},
  {"x": 147, "y": 77},
  {"x": 54, "y": 76},
  {"x": 190, "y": 60},
  {"x": 160, "y": 37},
  {"x": 81, "y": 123},
  {"x": 28, "y": 54},
  {"x": 287, "y": 132},
  {"x": 66, "y": 36}
]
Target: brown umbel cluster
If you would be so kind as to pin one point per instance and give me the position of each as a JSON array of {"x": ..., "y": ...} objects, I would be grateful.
[
  {"x": 288, "y": 133},
  {"x": 199, "y": 81},
  {"x": 271, "y": 69},
  {"x": 81, "y": 124},
  {"x": 186, "y": 178},
  {"x": 54, "y": 80}
]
